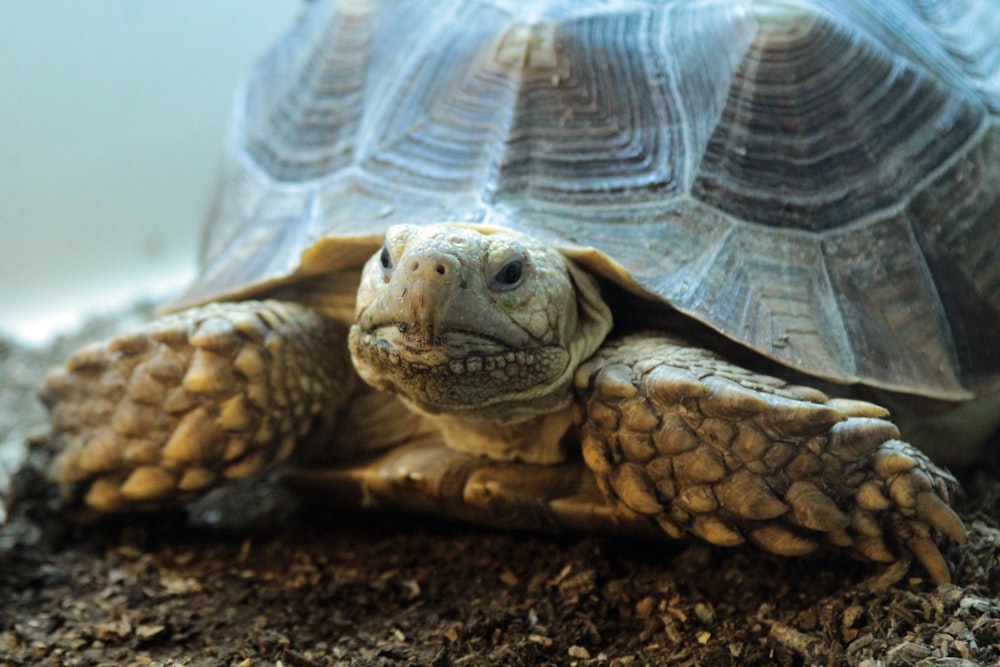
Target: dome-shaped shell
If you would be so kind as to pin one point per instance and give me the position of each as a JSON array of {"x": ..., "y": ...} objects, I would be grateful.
[{"x": 818, "y": 180}]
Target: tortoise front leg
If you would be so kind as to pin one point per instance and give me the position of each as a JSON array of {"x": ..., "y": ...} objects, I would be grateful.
[
  {"x": 705, "y": 447},
  {"x": 159, "y": 415}
]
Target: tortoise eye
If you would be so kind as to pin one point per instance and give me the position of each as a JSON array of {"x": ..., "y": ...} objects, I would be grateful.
[
  {"x": 385, "y": 260},
  {"x": 510, "y": 275}
]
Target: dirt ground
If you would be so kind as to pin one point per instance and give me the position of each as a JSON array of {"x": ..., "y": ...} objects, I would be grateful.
[{"x": 246, "y": 578}]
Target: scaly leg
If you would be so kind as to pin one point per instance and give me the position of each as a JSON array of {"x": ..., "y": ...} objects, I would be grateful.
[
  {"x": 159, "y": 415},
  {"x": 704, "y": 447}
]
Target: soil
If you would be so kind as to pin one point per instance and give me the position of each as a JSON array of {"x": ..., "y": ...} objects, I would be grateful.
[{"x": 246, "y": 577}]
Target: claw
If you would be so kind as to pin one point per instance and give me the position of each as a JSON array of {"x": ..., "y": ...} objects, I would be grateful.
[
  {"x": 781, "y": 541},
  {"x": 874, "y": 549},
  {"x": 932, "y": 509},
  {"x": 855, "y": 408},
  {"x": 927, "y": 553}
]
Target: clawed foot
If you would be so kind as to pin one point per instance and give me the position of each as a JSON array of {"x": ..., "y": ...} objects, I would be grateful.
[
  {"x": 707, "y": 448},
  {"x": 159, "y": 415},
  {"x": 912, "y": 494}
]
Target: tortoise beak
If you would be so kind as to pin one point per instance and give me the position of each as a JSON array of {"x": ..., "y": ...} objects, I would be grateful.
[
  {"x": 424, "y": 286},
  {"x": 426, "y": 302}
]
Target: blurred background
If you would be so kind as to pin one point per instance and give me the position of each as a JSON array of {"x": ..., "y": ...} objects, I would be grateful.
[{"x": 111, "y": 122}]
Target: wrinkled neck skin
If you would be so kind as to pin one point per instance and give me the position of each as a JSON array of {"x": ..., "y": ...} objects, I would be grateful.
[{"x": 481, "y": 332}]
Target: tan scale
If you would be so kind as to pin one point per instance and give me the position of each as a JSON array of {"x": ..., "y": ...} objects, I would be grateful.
[{"x": 200, "y": 429}]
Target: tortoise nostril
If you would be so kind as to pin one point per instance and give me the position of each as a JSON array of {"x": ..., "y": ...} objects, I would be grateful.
[{"x": 431, "y": 266}]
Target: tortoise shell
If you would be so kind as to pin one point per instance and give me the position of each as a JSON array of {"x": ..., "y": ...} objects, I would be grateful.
[{"x": 817, "y": 180}]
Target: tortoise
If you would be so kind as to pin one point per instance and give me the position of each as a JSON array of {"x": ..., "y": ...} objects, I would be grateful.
[{"x": 614, "y": 265}]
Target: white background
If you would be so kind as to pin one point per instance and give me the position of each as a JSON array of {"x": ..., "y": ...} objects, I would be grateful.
[{"x": 111, "y": 122}]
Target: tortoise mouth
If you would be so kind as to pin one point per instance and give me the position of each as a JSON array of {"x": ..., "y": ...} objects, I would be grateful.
[
  {"x": 425, "y": 346},
  {"x": 467, "y": 372},
  {"x": 456, "y": 352}
]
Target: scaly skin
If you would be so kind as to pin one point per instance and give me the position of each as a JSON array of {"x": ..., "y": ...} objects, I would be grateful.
[
  {"x": 163, "y": 413},
  {"x": 707, "y": 448}
]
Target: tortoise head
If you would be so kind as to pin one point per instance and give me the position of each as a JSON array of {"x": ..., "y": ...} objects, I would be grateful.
[{"x": 479, "y": 325}]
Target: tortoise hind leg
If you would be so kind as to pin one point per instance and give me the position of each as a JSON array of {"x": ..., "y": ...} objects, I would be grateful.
[
  {"x": 705, "y": 447},
  {"x": 159, "y": 415}
]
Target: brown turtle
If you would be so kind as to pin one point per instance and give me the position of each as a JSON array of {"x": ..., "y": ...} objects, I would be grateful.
[{"x": 610, "y": 242}]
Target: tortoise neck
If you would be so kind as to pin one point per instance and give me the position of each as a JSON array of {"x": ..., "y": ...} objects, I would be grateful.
[{"x": 537, "y": 439}]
